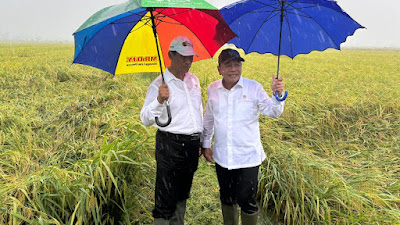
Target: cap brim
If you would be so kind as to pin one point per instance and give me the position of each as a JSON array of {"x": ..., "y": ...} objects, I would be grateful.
[
  {"x": 187, "y": 53},
  {"x": 235, "y": 58}
]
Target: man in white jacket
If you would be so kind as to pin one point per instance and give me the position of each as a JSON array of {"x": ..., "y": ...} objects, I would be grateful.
[{"x": 233, "y": 107}]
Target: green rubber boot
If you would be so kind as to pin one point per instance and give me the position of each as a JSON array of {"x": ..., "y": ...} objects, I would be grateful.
[
  {"x": 179, "y": 216},
  {"x": 161, "y": 221},
  {"x": 230, "y": 214},
  {"x": 249, "y": 219}
]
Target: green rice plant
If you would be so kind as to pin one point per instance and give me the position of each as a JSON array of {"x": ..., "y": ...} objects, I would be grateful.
[
  {"x": 325, "y": 155},
  {"x": 73, "y": 150},
  {"x": 89, "y": 191}
]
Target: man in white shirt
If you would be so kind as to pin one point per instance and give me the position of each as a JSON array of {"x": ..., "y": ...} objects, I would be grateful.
[
  {"x": 232, "y": 110},
  {"x": 178, "y": 144}
]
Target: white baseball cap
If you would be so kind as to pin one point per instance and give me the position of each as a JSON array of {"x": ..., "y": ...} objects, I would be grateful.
[{"x": 183, "y": 45}]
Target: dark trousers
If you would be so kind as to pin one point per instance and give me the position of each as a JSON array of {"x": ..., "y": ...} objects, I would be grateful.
[
  {"x": 239, "y": 186},
  {"x": 177, "y": 159}
]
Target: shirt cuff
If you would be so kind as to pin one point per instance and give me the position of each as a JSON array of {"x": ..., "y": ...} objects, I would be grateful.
[
  {"x": 156, "y": 107},
  {"x": 206, "y": 144},
  {"x": 276, "y": 102}
]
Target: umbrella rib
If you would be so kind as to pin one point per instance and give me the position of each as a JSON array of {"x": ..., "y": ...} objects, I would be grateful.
[
  {"x": 269, "y": 17},
  {"x": 305, "y": 16},
  {"x": 163, "y": 21},
  {"x": 145, "y": 23},
  {"x": 162, "y": 15},
  {"x": 145, "y": 20},
  {"x": 133, "y": 21},
  {"x": 298, "y": 8},
  {"x": 178, "y": 23},
  {"x": 290, "y": 34},
  {"x": 269, "y": 5},
  {"x": 276, "y": 10},
  {"x": 290, "y": 4},
  {"x": 313, "y": 5},
  {"x": 158, "y": 16},
  {"x": 264, "y": 5},
  {"x": 159, "y": 21},
  {"x": 310, "y": 17},
  {"x": 188, "y": 10},
  {"x": 289, "y": 28},
  {"x": 266, "y": 11}
]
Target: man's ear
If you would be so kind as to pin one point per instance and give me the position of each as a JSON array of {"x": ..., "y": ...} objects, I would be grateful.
[
  {"x": 219, "y": 68},
  {"x": 170, "y": 55}
]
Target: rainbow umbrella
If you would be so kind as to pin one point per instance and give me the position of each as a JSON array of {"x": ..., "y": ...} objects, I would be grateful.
[
  {"x": 134, "y": 37},
  {"x": 127, "y": 38}
]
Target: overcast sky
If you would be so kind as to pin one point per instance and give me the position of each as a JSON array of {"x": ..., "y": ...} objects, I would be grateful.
[{"x": 56, "y": 20}]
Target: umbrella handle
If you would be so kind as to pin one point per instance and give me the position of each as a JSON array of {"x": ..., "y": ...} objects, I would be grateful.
[
  {"x": 169, "y": 116},
  {"x": 283, "y": 98}
]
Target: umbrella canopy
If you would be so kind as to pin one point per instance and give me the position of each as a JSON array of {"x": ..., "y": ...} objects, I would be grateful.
[
  {"x": 122, "y": 38},
  {"x": 307, "y": 25},
  {"x": 288, "y": 27},
  {"x": 198, "y": 4}
]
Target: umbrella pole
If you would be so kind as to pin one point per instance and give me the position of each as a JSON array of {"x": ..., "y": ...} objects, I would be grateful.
[
  {"x": 161, "y": 69},
  {"x": 155, "y": 38},
  {"x": 279, "y": 51}
]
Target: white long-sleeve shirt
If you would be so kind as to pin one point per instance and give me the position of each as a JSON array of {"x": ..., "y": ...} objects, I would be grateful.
[
  {"x": 233, "y": 116},
  {"x": 185, "y": 104}
]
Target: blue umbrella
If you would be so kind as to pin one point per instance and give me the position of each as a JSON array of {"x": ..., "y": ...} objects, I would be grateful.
[{"x": 288, "y": 27}]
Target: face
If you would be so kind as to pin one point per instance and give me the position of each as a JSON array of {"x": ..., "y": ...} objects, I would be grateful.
[
  {"x": 230, "y": 71},
  {"x": 180, "y": 62}
]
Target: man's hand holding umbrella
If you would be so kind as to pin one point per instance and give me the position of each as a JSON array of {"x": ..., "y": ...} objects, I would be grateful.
[
  {"x": 277, "y": 85},
  {"x": 163, "y": 93}
]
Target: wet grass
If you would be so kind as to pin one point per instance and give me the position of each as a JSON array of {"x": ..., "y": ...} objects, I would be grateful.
[{"x": 73, "y": 150}]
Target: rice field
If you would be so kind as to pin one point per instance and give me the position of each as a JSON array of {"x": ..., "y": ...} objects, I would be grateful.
[{"x": 73, "y": 149}]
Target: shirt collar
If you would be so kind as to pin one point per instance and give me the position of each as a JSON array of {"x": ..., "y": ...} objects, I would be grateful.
[
  {"x": 168, "y": 76},
  {"x": 239, "y": 83}
]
